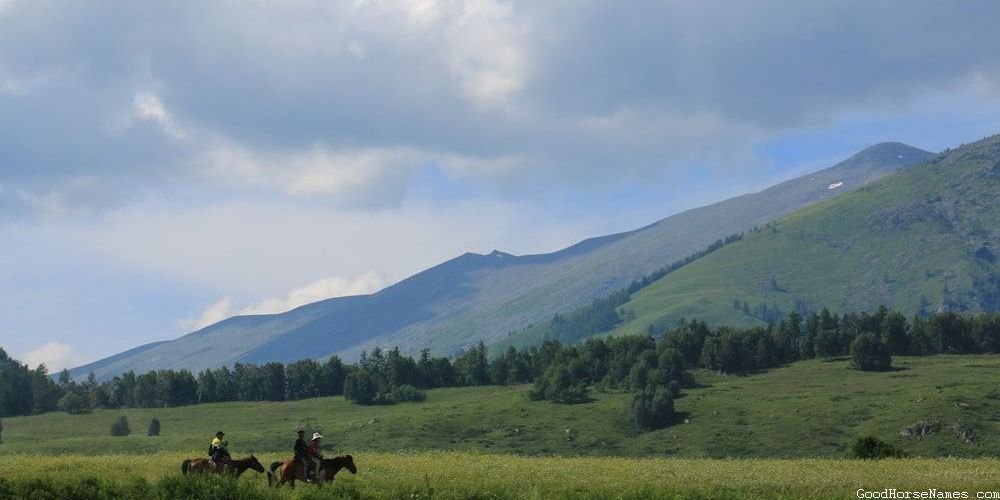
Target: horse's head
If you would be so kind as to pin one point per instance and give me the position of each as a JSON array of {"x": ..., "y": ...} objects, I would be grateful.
[
  {"x": 349, "y": 464},
  {"x": 255, "y": 464}
]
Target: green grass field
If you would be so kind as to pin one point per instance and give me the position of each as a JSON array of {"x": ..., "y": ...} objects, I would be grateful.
[
  {"x": 807, "y": 409},
  {"x": 784, "y": 432},
  {"x": 473, "y": 475}
]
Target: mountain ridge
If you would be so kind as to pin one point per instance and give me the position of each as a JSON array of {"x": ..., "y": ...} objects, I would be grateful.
[
  {"x": 922, "y": 241},
  {"x": 476, "y": 297}
]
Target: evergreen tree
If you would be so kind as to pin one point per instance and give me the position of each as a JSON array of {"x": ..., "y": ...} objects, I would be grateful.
[
  {"x": 72, "y": 403},
  {"x": 120, "y": 427},
  {"x": 45, "y": 393},
  {"x": 894, "y": 332},
  {"x": 560, "y": 386},
  {"x": 472, "y": 367},
  {"x": 331, "y": 381},
  {"x": 951, "y": 330},
  {"x": 360, "y": 388},
  {"x": 208, "y": 390},
  {"x": 154, "y": 427},
  {"x": 652, "y": 408},
  {"x": 272, "y": 378},
  {"x": 303, "y": 379},
  {"x": 869, "y": 353}
]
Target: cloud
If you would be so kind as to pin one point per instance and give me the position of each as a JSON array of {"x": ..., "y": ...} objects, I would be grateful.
[
  {"x": 54, "y": 355},
  {"x": 267, "y": 247},
  {"x": 326, "y": 288},
  {"x": 80, "y": 197},
  {"x": 344, "y": 99},
  {"x": 353, "y": 177},
  {"x": 485, "y": 54},
  {"x": 147, "y": 106},
  {"x": 220, "y": 310}
]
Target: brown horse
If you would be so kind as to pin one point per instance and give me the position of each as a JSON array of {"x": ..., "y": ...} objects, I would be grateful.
[
  {"x": 290, "y": 470},
  {"x": 236, "y": 467}
]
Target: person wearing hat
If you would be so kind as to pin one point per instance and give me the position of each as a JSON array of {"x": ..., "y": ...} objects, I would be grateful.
[
  {"x": 219, "y": 450},
  {"x": 302, "y": 452},
  {"x": 314, "y": 454}
]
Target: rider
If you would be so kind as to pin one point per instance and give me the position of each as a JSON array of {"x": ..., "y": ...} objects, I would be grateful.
[
  {"x": 314, "y": 454},
  {"x": 218, "y": 451},
  {"x": 302, "y": 452}
]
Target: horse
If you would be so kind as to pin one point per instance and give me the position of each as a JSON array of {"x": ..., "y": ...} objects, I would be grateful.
[
  {"x": 290, "y": 470},
  {"x": 237, "y": 467}
]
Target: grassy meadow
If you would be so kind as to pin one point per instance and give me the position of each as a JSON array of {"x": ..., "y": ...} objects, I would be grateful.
[
  {"x": 781, "y": 433},
  {"x": 475, "y": 475}
]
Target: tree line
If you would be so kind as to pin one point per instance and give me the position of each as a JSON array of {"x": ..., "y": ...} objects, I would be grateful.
[
  {"x": 870, "y": 338},
  {"x": 654, "y": 367}
]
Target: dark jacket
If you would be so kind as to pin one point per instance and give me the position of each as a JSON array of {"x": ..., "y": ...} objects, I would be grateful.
[{"x": 301, "y": 449}]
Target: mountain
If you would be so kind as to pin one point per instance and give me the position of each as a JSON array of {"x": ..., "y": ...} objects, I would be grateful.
[
  {"x": 484, "y": 297},
  {"x": 923, "y": 240}
]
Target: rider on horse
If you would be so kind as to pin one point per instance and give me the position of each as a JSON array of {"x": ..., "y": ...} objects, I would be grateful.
[
  {"x": 302, "y": 451},
  {"x": 315, "y": 456},
  {"x": 218, "y": 452}
]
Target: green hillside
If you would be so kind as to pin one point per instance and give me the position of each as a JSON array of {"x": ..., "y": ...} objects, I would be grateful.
[
  {"x": 922, "y": 240},
  {"x": 473, "y": 297},
  {"x": 807, "y": 409}
]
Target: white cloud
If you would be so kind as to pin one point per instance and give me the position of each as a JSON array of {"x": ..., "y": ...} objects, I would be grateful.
[
  {"x": 421, "y": 12},
  {"x": 367, "y": 177},
  {"x": 266, "y": 248},
  {"x": 54, "y": 355},
  {"x": 485, "y": 53},
  {"x": 326, "y": 288},
  {"x": 220, "y": 310},
  {"x": 147, "y": 106}
]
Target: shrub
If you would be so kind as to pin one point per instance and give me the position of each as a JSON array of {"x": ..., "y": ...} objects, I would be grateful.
[
  {"x": 154, "y": 427},
  {"x": 652, "y": 408},
  {"x": 559, "y": 385},
  {"x": 869, "y": 353},
  {"x": 120, "y": 427},
  {"x": 407, "y": 392},
  {"x": 72, "y": 403},
  {"x": 873, "y": 448}
]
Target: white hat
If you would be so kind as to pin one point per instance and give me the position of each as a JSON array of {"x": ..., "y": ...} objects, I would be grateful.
[{"x": 317, "y": 435}]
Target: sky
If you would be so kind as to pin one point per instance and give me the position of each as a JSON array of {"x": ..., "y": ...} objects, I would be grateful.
[{"x": 165, "y": 165}]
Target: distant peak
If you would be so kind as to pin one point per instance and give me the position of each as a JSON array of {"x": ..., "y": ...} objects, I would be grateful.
[
  {"x": 498, "y": 253},
  {"x": 889, "y": 153},
  {"x": 895, "y": 149}
]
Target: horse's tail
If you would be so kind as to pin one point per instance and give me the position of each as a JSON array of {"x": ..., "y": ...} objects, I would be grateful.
[
  {"x": 270, "y": 471},
  {"x": 184, "y": 466}
]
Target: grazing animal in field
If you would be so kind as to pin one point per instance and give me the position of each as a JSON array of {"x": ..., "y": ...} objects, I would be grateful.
[
  {"x": 290, "y": 470},
  {"x": 234, "y": 467}
]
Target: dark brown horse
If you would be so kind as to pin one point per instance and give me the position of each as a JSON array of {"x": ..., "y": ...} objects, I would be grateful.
[
  {"x": 235, "y": 467},
  {"x": 290, "y": 470}
]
